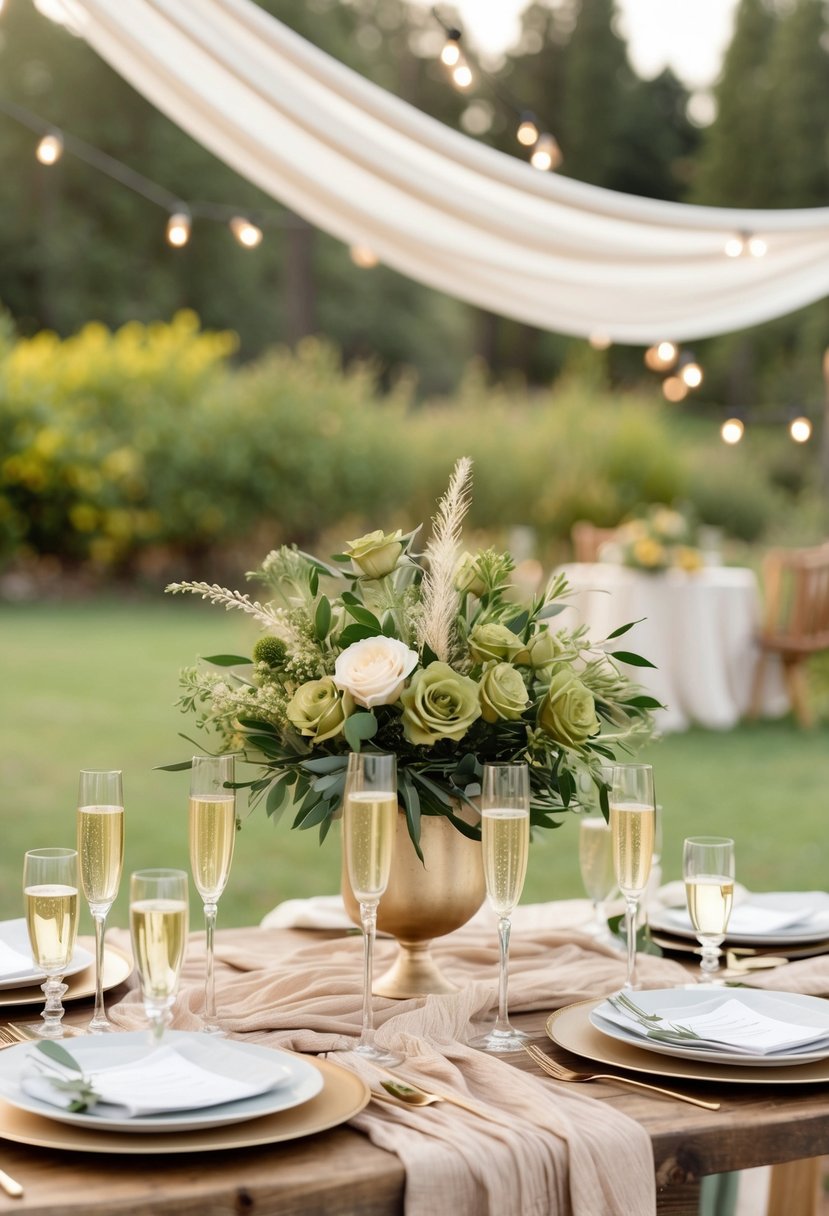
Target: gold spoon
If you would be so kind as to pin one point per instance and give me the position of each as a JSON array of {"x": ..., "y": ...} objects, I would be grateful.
[{"x": 414, "y": 1095}]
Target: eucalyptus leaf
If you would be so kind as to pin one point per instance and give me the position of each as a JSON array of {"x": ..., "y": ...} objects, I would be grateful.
[
  {"x": 359, "y": 728},
  {"x": 227, "y": 660},
  {"x": 617, "y": 633},
  {"x": 322, "y": 618},
  {"x": 634, "y": 660}
]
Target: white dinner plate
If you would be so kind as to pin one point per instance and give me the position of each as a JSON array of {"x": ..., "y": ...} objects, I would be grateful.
[
  {"x": 676, "y": 1003},
  {"x": 15, "y": 934},
  {"x": 753, "y": 920},
  {"x": 101, "y": 1051}
]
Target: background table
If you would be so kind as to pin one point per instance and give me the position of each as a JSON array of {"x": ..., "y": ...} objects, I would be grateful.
[{"x": 699, "y": 629}]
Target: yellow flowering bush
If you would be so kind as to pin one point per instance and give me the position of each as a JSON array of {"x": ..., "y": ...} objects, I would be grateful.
[{"x": 662, "y": 539}]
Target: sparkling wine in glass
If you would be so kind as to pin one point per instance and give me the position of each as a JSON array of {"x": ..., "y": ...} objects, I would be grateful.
[
  {"x": 158, "y": 927},
  {"x": 369, "y": 828},
  {"x": 50, "y": 895},
  {"x": 633, "y": 827},
  {"x": 100, "y": 820},
  {"x": 212, "y": 824},
  {"x": 708, "y": 870},
  {"x": 505, "y": 837},
  {"x": 596, "y": 865}
]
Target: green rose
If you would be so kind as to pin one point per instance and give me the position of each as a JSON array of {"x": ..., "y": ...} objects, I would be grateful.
[
  {"x": 439, "y": 704},
  {"x": 468, "y": 576},
  {"x": 318, "y": 709},
  {"x": 543, "y": 650},
  {"x": 488, "y": 642},
  {"x": 503, "y": 693},
  {"x": 568, "y": 712},
  {"x": 376, "y": 553}
]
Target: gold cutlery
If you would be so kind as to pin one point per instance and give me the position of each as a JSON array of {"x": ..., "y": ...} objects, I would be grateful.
[
  {"x": 559, "y": 1073},
  {"x": 735, "y": 961},
  {"x": 10, "y": 1186},
  {"x": 416, "y": 1095}
]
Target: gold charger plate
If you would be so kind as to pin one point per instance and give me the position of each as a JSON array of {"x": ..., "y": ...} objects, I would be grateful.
[
  {"x": 342, "y": 1096},
  {"x": 683, "y": 945},
  {"x": 570, "y": 1027},
  {"x": 117, "y": 968}
]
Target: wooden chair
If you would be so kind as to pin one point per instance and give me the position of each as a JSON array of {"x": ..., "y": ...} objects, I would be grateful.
[
  {"x": 588, "y": 539},
  {"x": 796, "y": 621}
]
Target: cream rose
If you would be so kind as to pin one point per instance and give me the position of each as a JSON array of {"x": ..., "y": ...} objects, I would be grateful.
[
  {"x": 377, "y": 553},
  {"x": 374, "y": 670}
]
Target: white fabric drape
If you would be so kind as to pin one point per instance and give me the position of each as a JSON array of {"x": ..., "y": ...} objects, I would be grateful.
[{"x": 438, "y": 206}]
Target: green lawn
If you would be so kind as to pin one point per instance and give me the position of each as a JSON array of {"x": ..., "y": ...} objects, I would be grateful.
[{"x": 93, "y": 685}]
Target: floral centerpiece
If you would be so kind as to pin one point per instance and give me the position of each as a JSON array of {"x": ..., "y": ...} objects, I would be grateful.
[
  {"x": 662, "y": 539},
  {"x": 427, "y": 656}
]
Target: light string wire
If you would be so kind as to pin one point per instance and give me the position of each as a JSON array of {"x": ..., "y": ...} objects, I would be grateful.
[{"x": 139, "y": 184}]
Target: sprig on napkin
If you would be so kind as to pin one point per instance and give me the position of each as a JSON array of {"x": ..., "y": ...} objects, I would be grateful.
[
  {"x": 655, "y": 1026},
  {"x": 54, "y": 1069}
]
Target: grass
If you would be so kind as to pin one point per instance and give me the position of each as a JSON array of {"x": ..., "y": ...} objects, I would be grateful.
[{"x": 94, "y": 685}]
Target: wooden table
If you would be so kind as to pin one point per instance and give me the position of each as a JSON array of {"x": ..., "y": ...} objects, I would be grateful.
[{"x": 340, "y": 1173}]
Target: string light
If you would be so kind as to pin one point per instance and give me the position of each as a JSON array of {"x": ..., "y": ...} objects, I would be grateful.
[
  {"x": 732, "y": 431},
  {"x": 462, "y": 73},
  {"x": 50, "y": 149},
  {"x": 178, "y": 229},
  {"x": 363, "y": 257},
  {"x": 246, "y": 232},
  {"x": 800, "y": 430},
  {"x": 527, "y": 132},
  {"x": 742, "y": 243},
  {"x": 691, "y": 374},
  {"x": 661, "y": 357},
  {"x": 674, "y": 389},
  {"x": 451, "y": 52},
  {"x": 546, "y": 154},
  {"x": 599, "y": 341}
]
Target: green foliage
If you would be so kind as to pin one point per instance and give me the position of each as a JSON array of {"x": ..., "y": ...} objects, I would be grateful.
[{"x": 729, "y": 490}]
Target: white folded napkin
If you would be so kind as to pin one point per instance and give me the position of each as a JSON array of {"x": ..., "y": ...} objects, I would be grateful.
[
  {"x": 723, "y": 1024},
  {"x": 188, "y": 1076},
  {"x": 13, "y": 963}
]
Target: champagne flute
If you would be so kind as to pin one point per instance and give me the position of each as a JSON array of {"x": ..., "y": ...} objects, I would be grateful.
[
  {"x": 100, "y": 821},
  {"x": 369, "y": 827},
  {"x": 632, "y": 826},
  {"x": 50, "y": 893},
  {"x": 596, "y": 866},
  {"x": 505, "y": 831},
  {"x": 158, "y": 927},
  {"x": 708, "y": 870},
  {"x": 212, "y": 820}
]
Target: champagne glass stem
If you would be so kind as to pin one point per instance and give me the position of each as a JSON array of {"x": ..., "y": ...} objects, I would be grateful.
[
  {"x": 99, "y": 1018},
  {"x": 631, "y": 909},
  {"x": 52, "y": 1013},
  {"x": 368, "y": 916},
  {"x": 211, "y": 1023},
  {"x": 710, "y": 957},
  {"x": 502, "y": 1021}
]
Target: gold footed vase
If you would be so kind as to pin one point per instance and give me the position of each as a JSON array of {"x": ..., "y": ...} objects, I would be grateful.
[{"x": 424, "y": 901}]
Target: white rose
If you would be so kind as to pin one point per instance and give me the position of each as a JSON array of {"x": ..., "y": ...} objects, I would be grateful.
[{"x": 374, "y": 670}]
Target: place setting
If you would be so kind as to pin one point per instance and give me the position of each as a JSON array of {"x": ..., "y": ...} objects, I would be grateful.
[
  {"x": 103, "y": 1089},
  {"x": 711, "y": 1028}
]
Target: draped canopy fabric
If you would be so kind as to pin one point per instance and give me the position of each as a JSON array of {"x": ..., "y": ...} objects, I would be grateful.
[{"x": 437, "y": 205}]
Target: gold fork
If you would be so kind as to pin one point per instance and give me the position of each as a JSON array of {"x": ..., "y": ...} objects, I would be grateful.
[{"x": 560, "y": 1073}]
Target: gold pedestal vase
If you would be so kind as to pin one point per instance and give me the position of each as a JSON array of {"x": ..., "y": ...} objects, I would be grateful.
[{"x": 424, "y": 900}]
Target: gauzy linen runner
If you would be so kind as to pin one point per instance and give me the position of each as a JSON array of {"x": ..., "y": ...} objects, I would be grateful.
[{"x": 552, "y": 1151}]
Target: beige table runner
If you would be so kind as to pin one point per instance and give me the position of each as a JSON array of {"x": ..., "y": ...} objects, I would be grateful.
[{"x": 553, "y": 1150}]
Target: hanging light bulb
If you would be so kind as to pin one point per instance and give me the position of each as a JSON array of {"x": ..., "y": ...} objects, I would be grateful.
[
  {"x": 599, "y": 341},
  {"x": 674, "y": 389},
  {"x": 757, "y": 247},
  {"x": 527, "y": 133},
  {"x": 691, "y": 374},
  {"x": 363, "y": 257},
  {"x": 462, "y": 73},
  {"x": 732, "y": 431},
  {"x": 546, "y": 153},
  {"x": 735, "y": 246},
  {"x": 178, "y": 229},
  {"x": 800, "y": 430},
  {"x": 660, "y": 357},
  {"x": 245, "y": 231},
  {"x": 50, "y": 149},
  {"x": 451, "y": 52}
]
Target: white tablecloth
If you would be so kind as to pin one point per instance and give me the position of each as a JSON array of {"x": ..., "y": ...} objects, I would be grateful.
[{"x": 699, "y": 630}]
